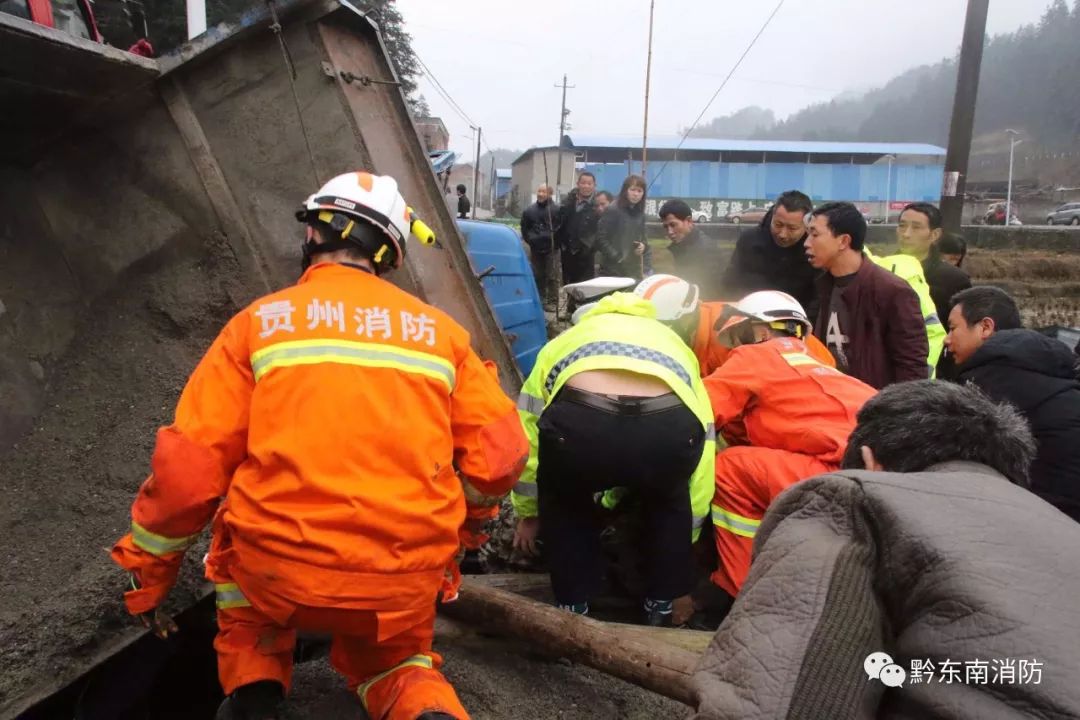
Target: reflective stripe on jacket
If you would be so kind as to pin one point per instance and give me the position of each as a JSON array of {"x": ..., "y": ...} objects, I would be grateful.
[
  {"x": 781, "y": 398},
  {"x": 327, "y": 420},
  {"x": 620, "y": 333}
]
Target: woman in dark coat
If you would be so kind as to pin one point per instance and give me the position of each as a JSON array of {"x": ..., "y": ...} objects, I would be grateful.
[{"x": 620, "y": 238}]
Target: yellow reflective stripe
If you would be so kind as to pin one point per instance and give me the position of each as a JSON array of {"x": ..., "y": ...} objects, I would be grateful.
[
  {"x": 159, "y": 544},
  {"x": 734, "y": 523},
  {"x": 797, "y": 359},
  {"x": 229, "y": 595},
  {"x": 313, "y": 352},
  {"x": 415, "y": 661}
]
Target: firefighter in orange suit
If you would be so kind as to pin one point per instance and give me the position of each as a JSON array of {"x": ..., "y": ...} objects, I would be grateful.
[
  {"x": 323, "y": 435},
  {"x": 711, "y": 353},
  {"x": 795, "y": 412}
]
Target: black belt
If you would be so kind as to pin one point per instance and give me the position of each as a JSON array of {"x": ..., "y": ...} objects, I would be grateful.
[{"x": 621, "y": 404}]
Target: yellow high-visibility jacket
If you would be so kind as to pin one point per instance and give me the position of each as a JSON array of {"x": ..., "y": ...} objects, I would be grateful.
[{"x": 620, "y": 333}]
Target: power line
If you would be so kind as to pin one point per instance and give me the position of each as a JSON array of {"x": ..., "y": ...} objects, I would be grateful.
[
  {"x": 443, "y": 92},
  {"x": 722, "y": 85}
]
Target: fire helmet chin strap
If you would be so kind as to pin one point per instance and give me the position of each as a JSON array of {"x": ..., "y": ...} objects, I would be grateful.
[{"x": 344, "y": 239}]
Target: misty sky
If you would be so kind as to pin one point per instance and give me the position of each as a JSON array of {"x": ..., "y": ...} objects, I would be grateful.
[{"x": 500, "y": 60}]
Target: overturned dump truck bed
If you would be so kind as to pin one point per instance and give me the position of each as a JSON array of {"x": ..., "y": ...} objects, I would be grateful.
[{"x": 142, "y": 203}]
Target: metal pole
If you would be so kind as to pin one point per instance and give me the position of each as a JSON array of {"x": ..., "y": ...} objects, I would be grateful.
[
  {"x": 648, "y": 77},
  {"x": 492, "y": 182},
  {"x": 888, "y": 187},
  {"x": 1008, "y": 193},
  {"x": 562, "y": 131},
  {"x": 963, "y": 116},
  {"x": 476, "y": 172}
]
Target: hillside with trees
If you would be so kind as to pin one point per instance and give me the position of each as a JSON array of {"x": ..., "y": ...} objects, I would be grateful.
[{"x": 1030, "y": 79}]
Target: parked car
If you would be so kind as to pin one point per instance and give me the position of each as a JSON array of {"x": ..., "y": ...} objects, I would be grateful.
[
  {"x": 749, "y": 215},
  {"x": 700, "y": 216},
  {"x": 1067, "y": 214}
]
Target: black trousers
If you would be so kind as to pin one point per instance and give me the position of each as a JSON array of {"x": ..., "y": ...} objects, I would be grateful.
[
  {"x": 585, "y": 449},
  {"x": 546, "y": 276},
  {"x": 578, "y": 267}
]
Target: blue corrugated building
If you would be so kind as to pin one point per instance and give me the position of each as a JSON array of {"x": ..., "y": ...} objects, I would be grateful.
[{"x": 725, "y": 174}]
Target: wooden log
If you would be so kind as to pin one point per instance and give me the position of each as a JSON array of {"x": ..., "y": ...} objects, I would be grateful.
[
  {"x": 632, "y": 656},
  {"x": 534, "y": 585}
]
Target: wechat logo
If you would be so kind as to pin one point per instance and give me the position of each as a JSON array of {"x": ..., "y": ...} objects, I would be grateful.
[{"x": 880, "y": 666}]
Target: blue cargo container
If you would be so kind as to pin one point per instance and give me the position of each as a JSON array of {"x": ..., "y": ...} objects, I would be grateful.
[{"x": 498, "y": 255}]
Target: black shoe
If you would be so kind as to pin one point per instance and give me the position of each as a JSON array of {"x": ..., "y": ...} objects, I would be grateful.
[
  {"x": 261, "y": 700},
  {"x": 658, "y": 613},
  {"x": 655, "y": 618}
]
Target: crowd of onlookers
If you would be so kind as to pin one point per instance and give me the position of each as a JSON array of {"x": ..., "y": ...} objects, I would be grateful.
[
  {"x": 905, "y": 316},
  {"x": 897, "y": 460}
]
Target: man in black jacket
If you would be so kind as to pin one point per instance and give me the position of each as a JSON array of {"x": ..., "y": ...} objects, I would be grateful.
[
  {"x": 694, "y": 261},
  {"x": 1035, "y": 373},
  {"x": 772, "y": 256},
  {"x": 537, "y": 230},
  {"x": 463, "y": 204},
  {"x": 576, "y": 231}
]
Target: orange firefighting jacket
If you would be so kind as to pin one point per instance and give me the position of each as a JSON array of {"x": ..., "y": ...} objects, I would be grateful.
[
  {"x": 711, "y": 354},
  {"x": 321, "y": 431},
  {"x": 786, "y": 399}
]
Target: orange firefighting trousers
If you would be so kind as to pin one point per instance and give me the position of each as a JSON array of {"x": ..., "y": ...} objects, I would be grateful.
[
  {"x": 747, "y": 480},
  {"x": 395, "y": 677}
]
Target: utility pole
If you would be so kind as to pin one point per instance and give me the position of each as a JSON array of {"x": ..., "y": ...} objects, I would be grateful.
[
  {"x": 888, "y": 186},
  {"x": 963, "y": 115},
  {"x": 1013, "y": 142},
  {"x": 476, "y": 173},
  {"x": 562, "y": 130},
  {"x": 492, "y": 183},
  {"x": 645, "y": 126}
]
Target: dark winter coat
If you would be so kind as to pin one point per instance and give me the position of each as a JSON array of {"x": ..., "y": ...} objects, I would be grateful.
[
  {"x": 1037, "y": 374},
  {"x": 887, "y": 334},
  {"x": 619, "y": 229},
  {"x": 537, "y": 227},
  {"x": 576, "y": 226},
  {"x": 945, "y": 280},
  {"x": 760, "y": 264},
  {"x": 463, "y": 207},
  {"x": 696, "y": 263},
  {"x": 951, "y": 564}
]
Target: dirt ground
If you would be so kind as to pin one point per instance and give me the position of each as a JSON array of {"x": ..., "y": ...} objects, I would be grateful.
[
  {"x": 498, "y": 679},
  {"x": 69, "y": 483}
]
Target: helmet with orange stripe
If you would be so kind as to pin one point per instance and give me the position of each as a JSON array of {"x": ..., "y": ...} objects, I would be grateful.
[
  {"x": 677, "y": 302},
  {"x": 779, "y": 312},
  {"x": 361, "y": 211}
]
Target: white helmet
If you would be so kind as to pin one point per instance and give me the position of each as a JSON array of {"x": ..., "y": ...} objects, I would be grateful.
[
  {"x": 770, "y": 306},
  {"x": 673, "y": 297},
  {"x": 360, "y": 196}
]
